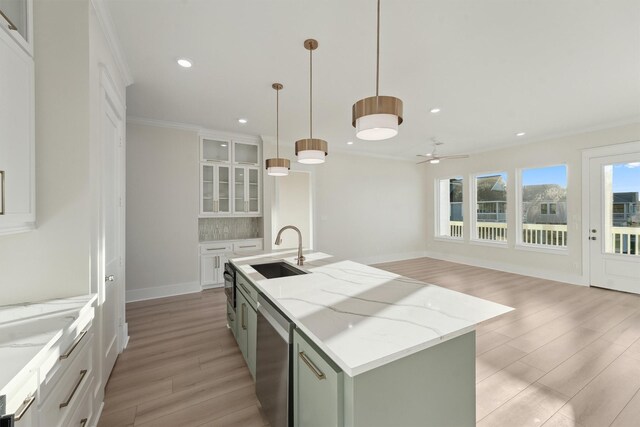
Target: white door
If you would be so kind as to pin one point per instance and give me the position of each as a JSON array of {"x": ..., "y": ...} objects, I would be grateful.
[
  {"x": 112, "y": 315},
  {"x": 614, "y": 222}
]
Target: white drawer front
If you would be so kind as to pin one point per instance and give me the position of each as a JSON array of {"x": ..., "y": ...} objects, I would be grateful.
[
  {"x": 67, "y": 393},
  {"x": 248, "y": 246},
  {"x": 57, "y": 362},
  {"x": 216, "y": 248},
  {"x": 21, "y": 402},
  {"x": 82, "y": 417}
]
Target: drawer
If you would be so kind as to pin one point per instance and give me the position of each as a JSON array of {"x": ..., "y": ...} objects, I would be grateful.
[
  {"x": 247, "y": 246},
  {"x": 83, "y": 415},
  {"x": 216, "y": 248},
  {"x": 247, "y": 288},
  {"x": 61, "y": 357},
  {"x": 67, "y": 393}
]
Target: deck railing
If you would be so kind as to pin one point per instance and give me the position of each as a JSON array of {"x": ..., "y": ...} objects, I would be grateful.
[{"x": 625, "y": 240}]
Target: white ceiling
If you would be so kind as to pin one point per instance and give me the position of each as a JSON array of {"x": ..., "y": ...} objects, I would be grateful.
[{"x": 546, "y": 67}]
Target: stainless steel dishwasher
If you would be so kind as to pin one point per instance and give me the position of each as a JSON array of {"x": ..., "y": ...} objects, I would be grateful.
[{"x": 273, "y": 370}]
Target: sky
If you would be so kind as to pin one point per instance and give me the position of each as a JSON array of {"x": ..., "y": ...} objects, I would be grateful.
[
  {"x": 626, "y": 177},
  {"x": 548, "y": 175}
]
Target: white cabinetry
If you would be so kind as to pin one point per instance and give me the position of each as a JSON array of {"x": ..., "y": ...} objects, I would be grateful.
[
  {"x": 16, "y": 19},
  {"x": 230, "y": 177},
  {"x": 17, "y": 147},
  {"x": 213, "y": 257}
]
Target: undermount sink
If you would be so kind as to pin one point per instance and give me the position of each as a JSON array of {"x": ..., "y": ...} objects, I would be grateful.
[{"x": 274, "y": 270}]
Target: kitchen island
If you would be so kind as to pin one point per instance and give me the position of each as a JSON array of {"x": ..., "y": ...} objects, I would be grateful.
[{"x": 399, "y": 352}]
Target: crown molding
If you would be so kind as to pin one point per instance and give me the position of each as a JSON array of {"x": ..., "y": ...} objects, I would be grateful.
[
  {"x": 201, "y": 131},
  {"x": 106, "y": 23}
]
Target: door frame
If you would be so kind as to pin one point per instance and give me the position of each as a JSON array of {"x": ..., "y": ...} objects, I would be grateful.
[
  {"x": 588, "y": 154},
  {"x": 108, "y": 94}
]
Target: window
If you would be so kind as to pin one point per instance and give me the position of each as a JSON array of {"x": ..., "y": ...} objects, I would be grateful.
[
  {"x": 491, "y": 207},
  {"x": 543, "y": 201},
  {"x": 449, "y": 220}
]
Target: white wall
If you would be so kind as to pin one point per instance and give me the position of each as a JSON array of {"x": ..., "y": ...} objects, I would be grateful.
[
  {"x": 565, "y": 150},
  {"x": 366, "y": 209},
  {"x": 162, "y": 211},
  {"x": 293, "y": 207}
]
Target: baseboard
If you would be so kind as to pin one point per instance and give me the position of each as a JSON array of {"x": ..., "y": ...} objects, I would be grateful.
[
  {"x": 162, "y": 291},
  {"x": 218, "y": 285},
  {"x": 378, "y": 259},
  {"x": 555, "y": 276}
]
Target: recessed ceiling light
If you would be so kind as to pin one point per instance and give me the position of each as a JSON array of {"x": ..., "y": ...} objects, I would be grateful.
[
  {"x": 434, "y": 110},
  {"x": 349, "y": 142},
  {"x": 185, "y": 63},
  {"x": 242, "y": 121},
  {"x": 434, "y": 161},
  {"x": 223, "y": 145},
  {"x": 520, "y": 134}
]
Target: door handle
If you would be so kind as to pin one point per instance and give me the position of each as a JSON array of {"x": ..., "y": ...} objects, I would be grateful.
[
  {"x": 317, "y": 372},
  {"x": 109, "y": 278}
]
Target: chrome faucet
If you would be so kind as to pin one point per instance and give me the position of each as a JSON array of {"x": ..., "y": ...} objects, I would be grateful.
[{"x": 300, "y": 259}]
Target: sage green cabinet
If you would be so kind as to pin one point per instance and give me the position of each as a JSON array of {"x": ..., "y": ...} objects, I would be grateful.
[
  {"x": 317, "y": 387},
  {"x": 246, "y": 327}
]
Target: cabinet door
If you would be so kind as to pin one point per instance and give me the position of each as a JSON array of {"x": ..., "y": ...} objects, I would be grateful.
[
  {"x": 223, "y": 189},
  {"x": 246, "y": 153},
  {"x": 240, "y": 193},
  {"x": 242, "y": 327},
  {"x": 317, "y": 387},
  {"x": 207, "y": 193},
  {"x": 222, "y": 259},
  {"x": 17, "y": 177},
  {"x": 212, "y": 150},
  {"x": 208, "y": 270},
  {"x": 253, "y": 190},
  {"x": 251, "y": 340}
]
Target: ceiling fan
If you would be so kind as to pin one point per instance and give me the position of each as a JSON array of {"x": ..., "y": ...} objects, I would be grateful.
[{"x": 434, "y": 158}]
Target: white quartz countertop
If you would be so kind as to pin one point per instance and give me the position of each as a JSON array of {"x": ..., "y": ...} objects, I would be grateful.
[
  {"x": 363, "y": 317},
  {"x": 29, "y": 330}
]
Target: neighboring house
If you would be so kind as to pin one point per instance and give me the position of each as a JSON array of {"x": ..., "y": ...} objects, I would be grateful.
[
  {"x": 626, "y": 209},
  {"x": 491, "y": 192},
  {"x": 544, "y": 204}
]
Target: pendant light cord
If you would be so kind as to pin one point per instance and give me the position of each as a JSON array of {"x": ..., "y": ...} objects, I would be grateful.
[
  {"x": 277, "y": 123},
  {"x": 378, "y": 50},
  {"x": 310, "y": 93}
]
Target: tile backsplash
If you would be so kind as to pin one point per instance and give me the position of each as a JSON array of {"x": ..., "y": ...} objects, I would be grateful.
[{"x": 211, "y": 229}]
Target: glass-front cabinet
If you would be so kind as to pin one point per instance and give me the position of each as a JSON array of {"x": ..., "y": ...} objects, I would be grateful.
[
  {"x": 15, "y": 17},
  {"x": 247, "y": 190},
  {"x": 229, "y": 177},
  {"x": 215, "y": 189}
]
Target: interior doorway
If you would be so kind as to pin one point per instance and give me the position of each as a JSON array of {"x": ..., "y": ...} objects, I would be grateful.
[
  {"x": 294, "y": 207},
  {"x": 613, "y": 207}
]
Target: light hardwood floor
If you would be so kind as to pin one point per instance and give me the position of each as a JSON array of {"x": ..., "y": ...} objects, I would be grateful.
[{"x": 567, "y": 356}]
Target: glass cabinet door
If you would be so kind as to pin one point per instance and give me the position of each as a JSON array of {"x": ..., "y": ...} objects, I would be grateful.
[
  {"x": 254, "y": 190},
  {"x": 16, "y": 12},
  {"x": 240, "y": 195},
  {"x": 215, "y": 151},
  {"x": 206, "y": 203},
  {"x": 245, "y": 154},
  {"x": 224, "y": 189}
]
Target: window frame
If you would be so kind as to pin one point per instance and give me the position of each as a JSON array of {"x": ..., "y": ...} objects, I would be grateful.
[
  {"x": 519, "y": 243},
  {"x": 437, "y": 210},
  {"x": 473, "y": 211}
]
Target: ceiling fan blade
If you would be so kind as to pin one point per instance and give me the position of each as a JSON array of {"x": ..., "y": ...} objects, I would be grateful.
[
  {"x": 424, "y": 161},
  {"x": 424, "y": 155},
  {"x": 459, "y": 156}
]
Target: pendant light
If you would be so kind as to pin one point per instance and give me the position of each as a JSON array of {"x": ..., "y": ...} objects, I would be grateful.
[
  {"x": 377, "y": 117},
  {"x": 278, "y": 166},
  {"x": 311, "y": 151}
]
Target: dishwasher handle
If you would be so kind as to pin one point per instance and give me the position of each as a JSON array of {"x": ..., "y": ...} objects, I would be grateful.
[{"x": 278, "y": 322}]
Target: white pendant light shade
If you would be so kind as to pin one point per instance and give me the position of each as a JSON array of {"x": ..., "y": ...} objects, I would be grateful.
[
  {"x": 376, "y": 127},
  {"x": 278, "y": 171},
  {"x": 311, "y": 157}
]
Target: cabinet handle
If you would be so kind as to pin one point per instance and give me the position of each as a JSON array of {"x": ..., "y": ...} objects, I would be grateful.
[
  {"x": 1, "y": 192},
  {"x": 248, "y": 246},
  {"x": 245, "y": 289},
  {"x": 246, "y": 163},
  {"x": 318, "y": 373},
  {"x": 83, "y": 422},
  {"x": 24, "y": 407},
  {"x": 244, "y": 311},
  {"x": 75, "y": 388},
  {"x": 74, "y": 345},
  {"x": 11, "y": 24},
  {"x": 215, "y": 249}
]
